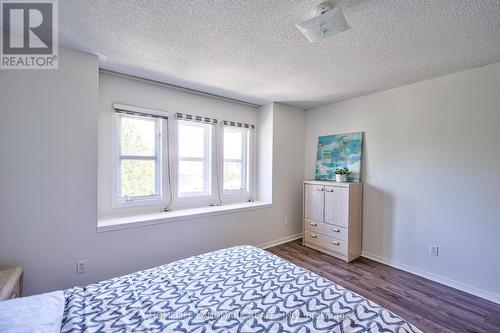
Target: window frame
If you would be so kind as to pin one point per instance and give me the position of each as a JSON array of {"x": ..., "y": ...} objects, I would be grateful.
[
  {"x": 196, "y": 199},
  {"x": 206, "y": 159},
  {"x": 247, "y": 194},
  {"x": 166, "y": 150},
  {"x": 244, "y": 161},
  {"x": 160, "y": 157}
]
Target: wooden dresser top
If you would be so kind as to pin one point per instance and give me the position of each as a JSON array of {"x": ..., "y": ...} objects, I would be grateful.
[{"x": 332, "y": 183}]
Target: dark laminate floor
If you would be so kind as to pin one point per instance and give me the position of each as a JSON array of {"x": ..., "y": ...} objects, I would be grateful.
[{"x": 430, "y": 306}]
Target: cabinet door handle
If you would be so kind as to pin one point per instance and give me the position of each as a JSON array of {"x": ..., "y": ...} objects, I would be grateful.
[
  {"x": 319, "y": 189},
  {"x": 330, "y": 190},
  {"x": 335, "y": 230},
  {"x": 314, "y": 224},
  {"x": 335, "y": 243},
  {"x": 314, "y": 236}
]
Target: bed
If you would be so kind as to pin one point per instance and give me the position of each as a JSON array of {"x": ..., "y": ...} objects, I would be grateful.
[{"x": 240, "y": 289}]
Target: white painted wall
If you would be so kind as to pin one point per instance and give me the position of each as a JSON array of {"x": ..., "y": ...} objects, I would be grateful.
[
  {"x": 288, "y": 149},
  {"x": 48, "y": 177},
  {"x": 432, "y": 174},
  {"x": 265, "y": 147}
]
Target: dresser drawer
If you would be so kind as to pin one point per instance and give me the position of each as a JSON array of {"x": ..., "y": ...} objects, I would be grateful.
[
  {"x": 325, "y": 242},
  {"x": 326, "y": 229}
]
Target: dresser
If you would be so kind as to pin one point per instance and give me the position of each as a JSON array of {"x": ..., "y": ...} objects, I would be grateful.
[
  {"x": 333, "y": 218},
  {"x": 11, "y": 282}
]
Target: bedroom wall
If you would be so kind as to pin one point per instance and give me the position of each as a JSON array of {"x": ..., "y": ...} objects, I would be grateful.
[
  {"x": 265, "y": 147},
  {"x": 48, "y": 176},
  {"x": 431, "y": 174}
]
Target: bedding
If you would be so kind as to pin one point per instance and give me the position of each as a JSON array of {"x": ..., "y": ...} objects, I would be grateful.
[
  {"x": 240, "y": 289},
  {"x": 33, "y": 314}
]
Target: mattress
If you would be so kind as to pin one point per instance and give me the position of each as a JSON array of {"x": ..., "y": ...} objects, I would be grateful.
[{"x": 240, "y": 289}]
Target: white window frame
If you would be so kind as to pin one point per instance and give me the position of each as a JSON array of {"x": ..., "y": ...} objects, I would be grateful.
[
  {"x": 209, "y": 196},
  {"x": 244, "y": 160},
  {"x": 248, "y": 166},
  {"x": 161, "y": 151},
  {"x": 166, "y": 152}
]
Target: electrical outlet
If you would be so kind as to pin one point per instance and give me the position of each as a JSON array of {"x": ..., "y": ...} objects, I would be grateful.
[
  {"x": 81, "y": 266},
  {"x": 286, "y": 220},
  {"x": 433, "y": 250}
]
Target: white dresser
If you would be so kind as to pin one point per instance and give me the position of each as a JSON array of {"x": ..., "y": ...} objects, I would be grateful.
[{"x": 333, "y": 218}]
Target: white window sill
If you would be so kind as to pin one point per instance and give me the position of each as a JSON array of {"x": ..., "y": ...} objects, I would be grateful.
[{"x": 125, "y": 222}]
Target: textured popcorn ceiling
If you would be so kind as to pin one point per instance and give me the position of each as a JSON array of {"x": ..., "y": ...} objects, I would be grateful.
[{"x": 251, "y": 50}]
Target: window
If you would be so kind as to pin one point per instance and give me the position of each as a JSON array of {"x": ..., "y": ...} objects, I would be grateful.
[
  {"x": 159, "y": 164},
  {"x": 138, "y": 161},
  {"x": 235, "y": 160},
  {"x": 194, "y": 162}
]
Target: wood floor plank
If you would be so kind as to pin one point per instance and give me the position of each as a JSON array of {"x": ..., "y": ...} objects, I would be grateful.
[{"x": 430, "y": 306}]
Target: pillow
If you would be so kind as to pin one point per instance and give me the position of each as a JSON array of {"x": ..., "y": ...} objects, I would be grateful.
[{"x": 35, "y": 314}]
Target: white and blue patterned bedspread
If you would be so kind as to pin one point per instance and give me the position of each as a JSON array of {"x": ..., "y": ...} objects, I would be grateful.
[{"x": 241, "y": 289}]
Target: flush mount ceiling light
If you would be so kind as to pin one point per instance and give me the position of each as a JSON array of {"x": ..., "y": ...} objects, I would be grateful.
[{"x": 329, "y": 21}]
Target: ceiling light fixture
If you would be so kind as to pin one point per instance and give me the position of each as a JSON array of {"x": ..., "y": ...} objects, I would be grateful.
[{"x": 329, "y": 21}]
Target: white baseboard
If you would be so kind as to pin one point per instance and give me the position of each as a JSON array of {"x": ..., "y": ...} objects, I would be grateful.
[
  {"x": 436, "y": 278},
  {"x": 279, "y": 241}
]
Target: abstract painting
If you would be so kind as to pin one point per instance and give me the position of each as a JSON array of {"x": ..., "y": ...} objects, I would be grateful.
[{"x": 339, "y": 151}]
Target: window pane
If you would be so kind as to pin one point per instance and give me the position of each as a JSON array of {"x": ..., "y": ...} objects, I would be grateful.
[
  {"x": 138, "y": 136},
  {"x": 191, "y": 177},
  {"x": 232, "y": 144},
  {"x": 137, "y": 178},
  {"x": 191, "y": 140},
  {"x": 232, "y": 176}
]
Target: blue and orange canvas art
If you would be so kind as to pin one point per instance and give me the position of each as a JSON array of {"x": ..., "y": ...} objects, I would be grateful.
[{"x": 339, "y": 151}]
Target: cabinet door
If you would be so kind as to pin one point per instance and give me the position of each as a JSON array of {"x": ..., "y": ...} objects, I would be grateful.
[
  {"x": 314, "y": 200},
  {"x": 337, "y": 206}
]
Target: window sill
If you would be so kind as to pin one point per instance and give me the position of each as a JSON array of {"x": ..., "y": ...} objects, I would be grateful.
[{"x": 125, "y": 222}]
